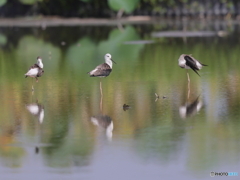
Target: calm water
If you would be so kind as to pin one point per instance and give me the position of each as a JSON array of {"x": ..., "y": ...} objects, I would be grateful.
[{"x": 65, "y": 129}]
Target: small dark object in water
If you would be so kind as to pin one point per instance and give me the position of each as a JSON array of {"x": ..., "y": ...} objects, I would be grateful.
[
  {"x": 36, "y": 150},
  {"x": 126, "y": 107}
]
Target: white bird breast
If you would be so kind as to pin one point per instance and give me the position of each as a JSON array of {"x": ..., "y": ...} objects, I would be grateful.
[
  {"x": 40, "y": 64},
  {"x": 109, "y": 62},
  {"x": 32, "y": 72},
  {"x": 182, "y": 63}
]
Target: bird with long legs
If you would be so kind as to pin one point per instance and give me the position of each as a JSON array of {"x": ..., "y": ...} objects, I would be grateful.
[
  {"x": 188, "y": 62},
  {"x": 35, "y": 70},
  {"x": 103, "y": 70}
]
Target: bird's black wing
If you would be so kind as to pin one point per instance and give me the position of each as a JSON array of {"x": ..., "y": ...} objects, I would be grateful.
[
  {"x": 203, "y": 64},
  {"x": 192, "y": 64},
  {"x": 101, "y": 70},
  {"x": 40, "y": 72},
  {"x": 34, "y": 66}
]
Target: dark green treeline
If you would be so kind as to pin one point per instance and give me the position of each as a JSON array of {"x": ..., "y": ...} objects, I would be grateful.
[{"x": 114, "y": 8}]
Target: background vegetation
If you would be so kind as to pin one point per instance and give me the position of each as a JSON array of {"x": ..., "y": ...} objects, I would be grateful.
[{"x": 110, "y": 8}]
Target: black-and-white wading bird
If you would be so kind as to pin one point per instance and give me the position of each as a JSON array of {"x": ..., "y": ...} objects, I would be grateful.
[
  {"x": 188, "y": 62},
  {"x": 35, "y": 70},
  {"x": 103, "y": 70}
]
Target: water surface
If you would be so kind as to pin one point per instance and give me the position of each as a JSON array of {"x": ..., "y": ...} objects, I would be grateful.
[{"x": 78, "y": 134}]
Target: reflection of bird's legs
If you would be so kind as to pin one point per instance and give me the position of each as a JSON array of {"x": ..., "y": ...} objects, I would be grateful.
[
  {"x": 32, "y": 95},
  {"x": 101, "y": 104},
  {"x": 188, "y": 90},
  {"x": 101, "y": 94},
  {"x": 32, "y": 85}
]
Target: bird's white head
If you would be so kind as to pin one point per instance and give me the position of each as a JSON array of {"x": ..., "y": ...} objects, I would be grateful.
[
  {"x": 108, "y": 59},
  {"x": 39, "y": 62}
]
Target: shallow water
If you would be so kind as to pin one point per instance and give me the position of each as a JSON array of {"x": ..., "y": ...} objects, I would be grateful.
[{"x": 79, "y": 134}]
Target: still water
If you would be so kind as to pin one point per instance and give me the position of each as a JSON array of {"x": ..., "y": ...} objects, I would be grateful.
[{"x": 66, "y": 129}]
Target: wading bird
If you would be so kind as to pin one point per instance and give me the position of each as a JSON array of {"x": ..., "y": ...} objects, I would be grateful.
[
  {"x": 188, "y": 62},
  {"x": 35, "y": 70},
  {"x": 103, "y": 70}
]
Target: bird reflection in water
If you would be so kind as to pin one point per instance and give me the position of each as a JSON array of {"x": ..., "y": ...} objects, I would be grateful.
[
  {"x": 104, "y": 124},
  {"x": 190, "y": 109},
  {"x": 37, "y": 110}
]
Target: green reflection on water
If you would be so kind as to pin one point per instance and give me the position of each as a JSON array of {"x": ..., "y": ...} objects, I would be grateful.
[{"x": 70, "y": 98}]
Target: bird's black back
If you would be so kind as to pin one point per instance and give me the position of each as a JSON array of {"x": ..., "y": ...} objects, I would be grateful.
[{"x": 191, "y": 63}]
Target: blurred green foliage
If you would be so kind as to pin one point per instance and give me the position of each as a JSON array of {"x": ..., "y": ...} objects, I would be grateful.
[
  {"x": 29, "y": 2},
  {"x": 108, "y": 8},
  {"x": 2, "y": 2},
  {"x": 126, "y": 5}
]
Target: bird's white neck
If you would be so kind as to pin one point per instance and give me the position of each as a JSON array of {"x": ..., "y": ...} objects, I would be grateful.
[
  {"x": 109, "y": 62},
  {"x": 39, "y": 62}
]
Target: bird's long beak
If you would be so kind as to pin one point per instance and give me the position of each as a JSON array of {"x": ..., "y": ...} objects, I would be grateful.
[{"x": 113, "y": 61}]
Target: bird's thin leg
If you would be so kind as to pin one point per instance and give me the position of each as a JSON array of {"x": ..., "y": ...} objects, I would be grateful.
[
  {"x": 101, "y": 95},
  {"x": 188, "y": 90},
  {"x": 101, "y": 87},
  {"x": 188, "y": 84},
  {"x": 101, "y": 104},
  {"x": 188, "y": 77}
]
